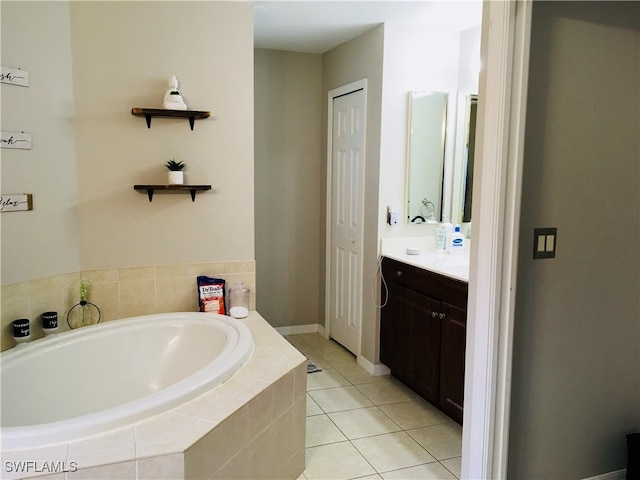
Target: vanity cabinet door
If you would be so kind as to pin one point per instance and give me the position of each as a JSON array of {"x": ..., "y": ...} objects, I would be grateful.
[
  {"x": 410, "y": 340},
  {"x": 390, "y": 318},
  {"x": 425, "y": 347},
  {"x": 394, "y": 315},
  {"x": 452, "y": 358}
]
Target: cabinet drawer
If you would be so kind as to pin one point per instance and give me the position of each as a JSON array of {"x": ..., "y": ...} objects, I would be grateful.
[
  {"x": 398, "y": 272},
  {"x": 444, "y": 288}
]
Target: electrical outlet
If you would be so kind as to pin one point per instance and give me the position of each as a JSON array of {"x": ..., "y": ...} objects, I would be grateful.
[
  {"x": 392, "y": 215},
  {"x": 544, "y": 242}
]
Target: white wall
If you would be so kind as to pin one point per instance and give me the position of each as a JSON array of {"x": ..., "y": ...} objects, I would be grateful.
[
  {"x": 288, "y": 195},
  {"x": 42, "y": 242},
  {"x": 415, "y": 59},
  {"x": 576, "y": 352}
]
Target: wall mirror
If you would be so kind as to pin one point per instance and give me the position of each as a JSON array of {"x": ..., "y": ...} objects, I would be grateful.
[
  {"x": 462, "y": 181},
  {"x": 425, "y": 156}
]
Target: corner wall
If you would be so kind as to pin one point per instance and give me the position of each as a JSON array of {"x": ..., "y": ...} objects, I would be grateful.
[
  {"x": 576, "y": 352},
  {"x": 288, "y": 196}
]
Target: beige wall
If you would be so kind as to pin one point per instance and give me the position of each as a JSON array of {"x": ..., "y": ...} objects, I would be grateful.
[
  {"x": 42, "y": 242},
  {"x": 355, "y": 60},
  {"x": 90, "y": 63},
  {"x": 288, "y": 196},
  {"x": 209, "y": 46},
  {"x": 576, "y": 365}
]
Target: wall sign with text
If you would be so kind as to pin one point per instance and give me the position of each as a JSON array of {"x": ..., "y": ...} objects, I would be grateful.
[
  {"x": 14, "y": 76},
  {"x": 16, "y": 202},
  {"x": 18, "y": 140}
]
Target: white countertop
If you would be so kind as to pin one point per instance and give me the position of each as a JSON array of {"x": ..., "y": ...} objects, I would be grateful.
[{"x": 453, "y": 266}]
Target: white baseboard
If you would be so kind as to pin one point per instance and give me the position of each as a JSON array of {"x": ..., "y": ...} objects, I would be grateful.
[
  {"x": 617, "y": 475},
  {"x": 373, "y": 368},
  {"x": 300, "y": 329}
]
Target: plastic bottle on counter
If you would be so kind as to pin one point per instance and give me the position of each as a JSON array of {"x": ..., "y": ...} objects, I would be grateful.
[
  {"x": 456, "y": 242},
  {"x": 448, "y": 230},
  {"x": 441, "y": 239}
]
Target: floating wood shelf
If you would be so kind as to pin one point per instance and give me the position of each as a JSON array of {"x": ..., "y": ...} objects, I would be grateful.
[
  {"x": 192, "y": 189},
  {"x": 149, "y": 113}
]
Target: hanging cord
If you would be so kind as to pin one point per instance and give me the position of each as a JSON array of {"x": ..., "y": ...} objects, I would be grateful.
[{"x": 374, "y": 285}]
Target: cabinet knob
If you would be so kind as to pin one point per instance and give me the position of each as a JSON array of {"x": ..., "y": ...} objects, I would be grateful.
[
  {"x": 434, "y": 314},
  {"x": 399, "y": 273},
  {"x": 442, "y": 315}
]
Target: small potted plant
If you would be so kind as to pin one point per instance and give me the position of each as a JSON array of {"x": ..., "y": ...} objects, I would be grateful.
[{"x": 176, "y": 175}]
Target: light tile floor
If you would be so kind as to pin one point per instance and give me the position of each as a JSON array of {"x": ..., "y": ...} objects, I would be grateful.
[{"x": 366, "y": 427}]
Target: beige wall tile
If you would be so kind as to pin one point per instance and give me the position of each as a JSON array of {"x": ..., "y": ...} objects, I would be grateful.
[
  {"x": 300, "y": 382},
  {"x": 208, "y": 269},
  {"x": 40, "y": 284},
  {"x": 115, "y": 471},
  {"x": 260, "y": 410},
  {"x": 176, "y": 294},
  {"x": 137, "y": 297},
  {"x": 98, "y": 276},
  {"x": 283, "y": 394},
  {"x": 118, "y": 293},
  {"x": 226, "y": 440},
  {"x": 169, "y": 467},
  {"x": 15, "y": 290},
  {"x": 15, "y": 304},
  {"x": 239, "y": 467},
  {"x": 137, "y": 273},
  {"x": 106, "y": 297},
  {"x": 247, "y": 266},
  {"x": 173, "y": 271}
]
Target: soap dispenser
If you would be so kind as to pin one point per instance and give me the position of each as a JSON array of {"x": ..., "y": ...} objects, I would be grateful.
[
  {"x": 239, "y": 300},
  {"x": 448, "y": 230}
]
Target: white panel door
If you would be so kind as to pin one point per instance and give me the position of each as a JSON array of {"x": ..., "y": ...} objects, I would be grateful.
[{"x": 347, "y": 213}]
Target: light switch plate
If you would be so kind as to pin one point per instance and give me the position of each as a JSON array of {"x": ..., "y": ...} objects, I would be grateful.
[{"x": 544, "y": 242}]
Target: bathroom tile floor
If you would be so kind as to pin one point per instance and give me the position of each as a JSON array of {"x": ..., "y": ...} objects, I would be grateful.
[{"x": 361, "y": 426}]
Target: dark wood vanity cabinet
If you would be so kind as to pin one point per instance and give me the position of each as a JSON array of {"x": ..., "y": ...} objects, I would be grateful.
[{"x": 423, "y": 333}]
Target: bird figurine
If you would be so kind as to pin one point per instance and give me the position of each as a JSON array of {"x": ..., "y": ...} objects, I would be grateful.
[{"x": 173, "y": 99}]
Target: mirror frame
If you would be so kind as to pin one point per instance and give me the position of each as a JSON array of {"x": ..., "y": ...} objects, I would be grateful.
[
  {"x": 458, "y": 174},
  {"x": 438, "y": 204}
]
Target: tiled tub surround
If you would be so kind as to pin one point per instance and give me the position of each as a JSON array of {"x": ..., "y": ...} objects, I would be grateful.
[
  {"x": 119, "y": 293},
  {"x": 251, "y": 426}
]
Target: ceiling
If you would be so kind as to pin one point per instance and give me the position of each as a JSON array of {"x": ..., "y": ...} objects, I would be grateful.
[{"x": 318, "y": 26}]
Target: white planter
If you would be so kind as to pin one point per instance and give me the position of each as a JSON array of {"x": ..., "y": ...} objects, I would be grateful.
[{"x": 176, "y": 177}]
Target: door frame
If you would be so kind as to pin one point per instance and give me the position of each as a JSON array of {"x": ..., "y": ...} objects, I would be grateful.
[
  {"x": 332, "y": 94},
  {"x": 506, "y": 29}
]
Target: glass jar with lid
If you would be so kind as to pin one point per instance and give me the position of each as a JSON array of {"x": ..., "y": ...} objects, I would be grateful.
[{"x": 239, "y": 300}]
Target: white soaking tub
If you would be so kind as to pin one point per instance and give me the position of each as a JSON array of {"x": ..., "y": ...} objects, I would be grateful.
[{"x": 102, "y": 377}]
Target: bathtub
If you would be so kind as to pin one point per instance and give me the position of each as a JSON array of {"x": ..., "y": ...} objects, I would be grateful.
[{"x": 102, "y": 377}]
